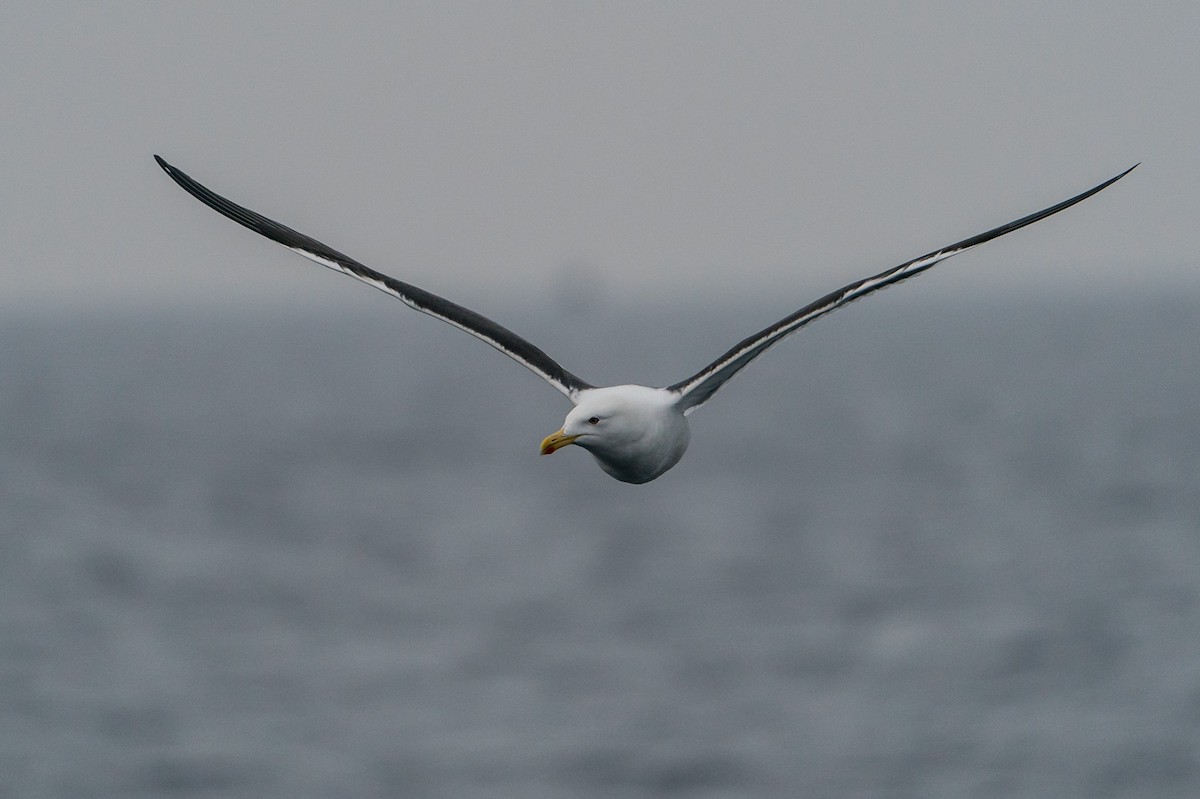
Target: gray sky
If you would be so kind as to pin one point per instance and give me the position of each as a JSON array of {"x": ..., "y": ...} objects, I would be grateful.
[{"x": 496, "y": 149}]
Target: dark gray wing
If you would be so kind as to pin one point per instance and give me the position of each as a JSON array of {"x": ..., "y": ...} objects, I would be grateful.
[
  {"x": 695, "y": 391},
  {"x": 465, "y": 319}
]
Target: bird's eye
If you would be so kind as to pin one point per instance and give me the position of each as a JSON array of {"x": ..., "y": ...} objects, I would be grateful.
[{"x": 594, "y": 420}]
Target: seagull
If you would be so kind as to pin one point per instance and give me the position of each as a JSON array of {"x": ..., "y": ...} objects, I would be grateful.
[{"x": 635, "y": 433}]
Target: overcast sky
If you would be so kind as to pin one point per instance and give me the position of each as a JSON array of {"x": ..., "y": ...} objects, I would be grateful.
[{"x": 520, "y": 148}]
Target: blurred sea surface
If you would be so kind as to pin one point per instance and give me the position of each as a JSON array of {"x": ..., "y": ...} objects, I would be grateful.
[{"x": 922, "y": 549}]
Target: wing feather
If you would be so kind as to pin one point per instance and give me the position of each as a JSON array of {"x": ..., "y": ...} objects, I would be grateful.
[
  {"x": 497, "y": 336},
  {"x": 696, "y": 390}
]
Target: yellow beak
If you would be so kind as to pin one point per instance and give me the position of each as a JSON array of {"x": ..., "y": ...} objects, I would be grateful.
[{"x": 556, "y": 441}]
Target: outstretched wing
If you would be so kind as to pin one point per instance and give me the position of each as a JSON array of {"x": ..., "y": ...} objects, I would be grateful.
[
  {"x": 696, "y": 390},
  {"x": 477, "y": 325}
]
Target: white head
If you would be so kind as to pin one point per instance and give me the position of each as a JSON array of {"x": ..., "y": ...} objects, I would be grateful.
[{"x": 635, "y": 433}]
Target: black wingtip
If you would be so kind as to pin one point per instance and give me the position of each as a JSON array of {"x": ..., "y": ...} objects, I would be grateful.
[
  {"x": 171, "y": 171},
  {"x": 1127, "y": 171},
  {"x": 1105, "y": 184}
]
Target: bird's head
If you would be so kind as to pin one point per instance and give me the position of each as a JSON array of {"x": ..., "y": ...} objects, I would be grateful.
[
  {"x": 633, "y": 431},
  {"x": 592, "y": 424}
]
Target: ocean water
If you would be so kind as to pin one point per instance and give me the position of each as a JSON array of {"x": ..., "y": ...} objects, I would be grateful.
[{"x": 923, "y": 549}]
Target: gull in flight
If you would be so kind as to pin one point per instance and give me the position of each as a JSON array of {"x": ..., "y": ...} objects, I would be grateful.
[{"x": 636, "y": 433}]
